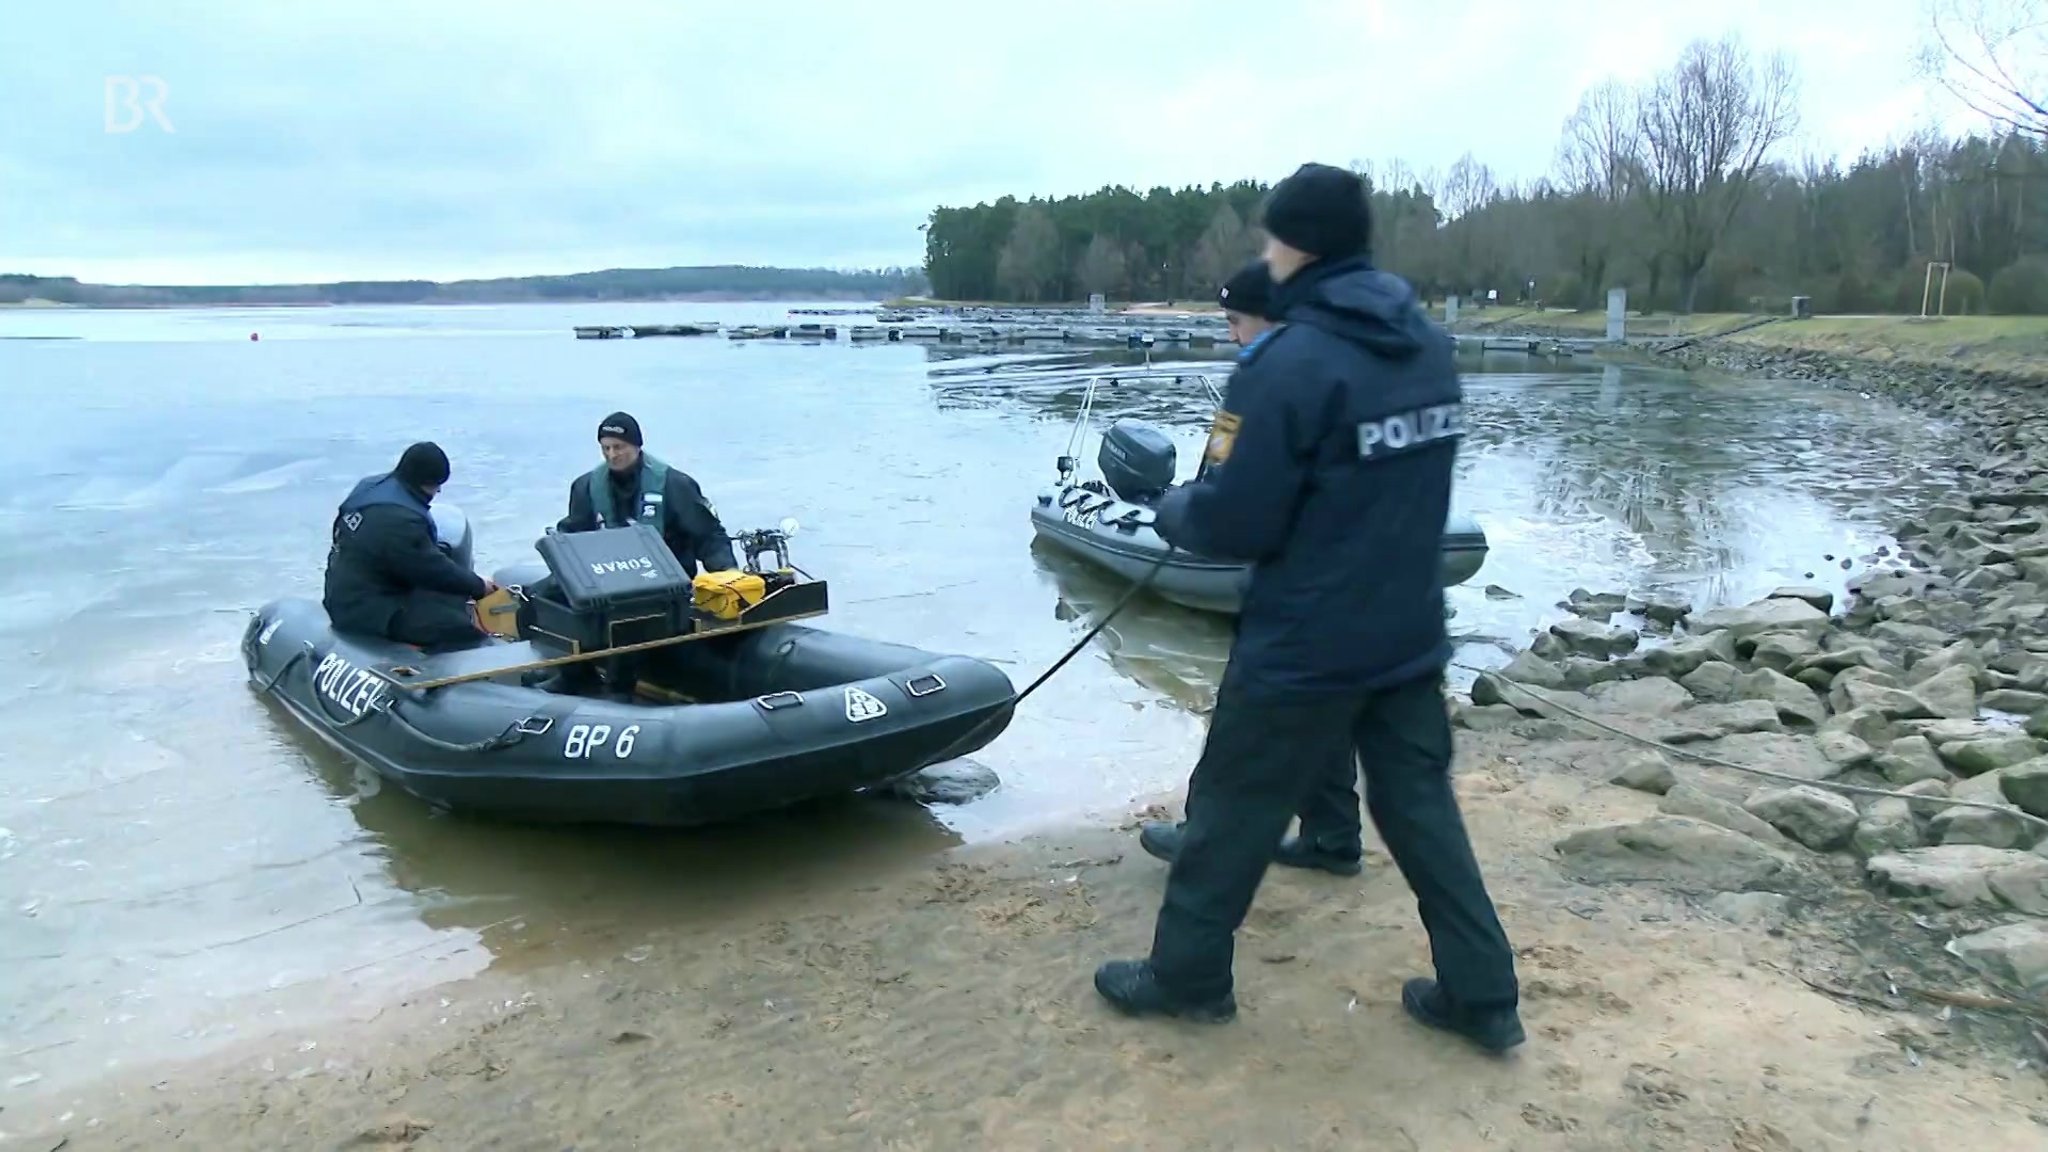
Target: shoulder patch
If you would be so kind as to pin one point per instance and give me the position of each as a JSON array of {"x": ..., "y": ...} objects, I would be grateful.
[{"x": 1222, "y": 437}]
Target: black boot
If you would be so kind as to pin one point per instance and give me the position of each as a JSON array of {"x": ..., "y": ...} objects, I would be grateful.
[
  {"x": 1496, "y": 1029},
  {"x": 1163, "y": 841},
  {"x": 1132, "y": 988}
]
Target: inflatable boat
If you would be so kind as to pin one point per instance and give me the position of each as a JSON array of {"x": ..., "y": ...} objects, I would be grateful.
[
  {"x": 728, "y": 717},
  {"x": 1109, "y": 524}
]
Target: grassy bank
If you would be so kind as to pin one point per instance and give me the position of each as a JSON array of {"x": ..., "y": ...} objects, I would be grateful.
[{"x": 2010, "y": 345}]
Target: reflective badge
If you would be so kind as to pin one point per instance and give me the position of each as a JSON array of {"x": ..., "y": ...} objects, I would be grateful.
[
  {"x": 354, "y": 520},
  {"x": 1222, "y": 437},
  {"x": 861, "y": 706}
]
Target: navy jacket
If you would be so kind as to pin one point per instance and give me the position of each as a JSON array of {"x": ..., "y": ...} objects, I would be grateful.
[
  {"x": 383, "y": 551},
  {"x": 1330, "y": 471}
]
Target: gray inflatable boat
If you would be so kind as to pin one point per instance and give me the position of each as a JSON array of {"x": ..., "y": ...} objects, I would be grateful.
[{"x": 1108, "y": 523}]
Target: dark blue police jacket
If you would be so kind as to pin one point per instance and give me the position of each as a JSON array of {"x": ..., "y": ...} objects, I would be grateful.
[
  {"x": 386, "y": 488},
  {"x": 1331, "y": 468}
]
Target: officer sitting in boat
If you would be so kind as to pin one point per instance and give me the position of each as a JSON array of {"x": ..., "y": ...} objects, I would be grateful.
[
  {"x": 634, "y": 486},
  {"x": 386, "y": 574}
]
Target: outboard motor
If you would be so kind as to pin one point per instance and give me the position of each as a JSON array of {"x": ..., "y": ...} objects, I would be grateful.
[
  {"x": 1137, "y": 460},
  {"x": 451, "y": 532}
]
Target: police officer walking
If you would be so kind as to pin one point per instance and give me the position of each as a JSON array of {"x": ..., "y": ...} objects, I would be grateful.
[{"x": 1332, "y": 461}]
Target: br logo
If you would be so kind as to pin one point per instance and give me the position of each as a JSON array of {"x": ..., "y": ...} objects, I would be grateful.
[{"x": 130, "y": 98}]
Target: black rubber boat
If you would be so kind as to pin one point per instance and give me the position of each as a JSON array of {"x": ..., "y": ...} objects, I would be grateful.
[
  {"x": 745, "y": 720},
  {"x": 1108, "y": 523}
]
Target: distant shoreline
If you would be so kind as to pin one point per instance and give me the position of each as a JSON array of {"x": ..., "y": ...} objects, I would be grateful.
[{"x": 686, "y": 298}]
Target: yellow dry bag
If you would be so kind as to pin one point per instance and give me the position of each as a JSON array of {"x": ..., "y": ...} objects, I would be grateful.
[{"x": 727, "y": 594}]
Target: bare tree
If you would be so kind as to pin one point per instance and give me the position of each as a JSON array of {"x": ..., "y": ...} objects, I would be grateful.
[
  {"x": 1029, "y": 266},
  {"x": 1225, "y": 244},
  {"x": 1603, "y": 142},
  {"x": 1993, "y": 56},
  {"x": 1468, "y": 187},
  {"x": 1101, "y": 268},
  {"x": 1707, "y": 126},
  {"x": 1599, "y": 160}
]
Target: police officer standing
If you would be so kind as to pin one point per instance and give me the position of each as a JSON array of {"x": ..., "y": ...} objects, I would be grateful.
[{"x": 1333, "y": 460}]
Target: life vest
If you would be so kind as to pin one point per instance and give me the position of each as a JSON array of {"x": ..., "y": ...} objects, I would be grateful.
[{"x": 653, "y": 490}]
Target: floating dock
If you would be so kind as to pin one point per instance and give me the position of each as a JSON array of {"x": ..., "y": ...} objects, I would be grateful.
[
  {"x": 638, "y": 331},
  {"x": 1032, "y": 328}
]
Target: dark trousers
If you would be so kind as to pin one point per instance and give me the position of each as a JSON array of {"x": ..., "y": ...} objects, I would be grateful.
[
  {"x": 436, "y": 621},
  {"x": 1265, "y": 760},
  {"x": 1329, "y": 811}
]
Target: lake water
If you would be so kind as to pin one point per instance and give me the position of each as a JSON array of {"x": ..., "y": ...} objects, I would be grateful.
[{"x": 179, "y": 865}]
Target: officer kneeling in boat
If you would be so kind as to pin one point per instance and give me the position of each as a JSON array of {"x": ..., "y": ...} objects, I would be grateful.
[
  {"x": 1335, "y": 450},
  {"x": 386, "y": 574},
  {"x": 633, "y": 486}
]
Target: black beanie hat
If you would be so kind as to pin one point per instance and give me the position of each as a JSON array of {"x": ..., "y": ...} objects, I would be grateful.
[
  {"x": 1248, "y": 290},
  {"x": 423, "y": 465},
  {"x": 1322, "y": 211},
  {"x": 621, "y": 425}
]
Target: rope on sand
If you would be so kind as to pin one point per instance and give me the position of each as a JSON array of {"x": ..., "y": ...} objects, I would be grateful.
[{"x": 1678, "y": 750}]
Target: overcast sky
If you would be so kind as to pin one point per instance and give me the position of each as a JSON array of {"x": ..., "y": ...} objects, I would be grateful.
[{"x": 369, "y": 139}]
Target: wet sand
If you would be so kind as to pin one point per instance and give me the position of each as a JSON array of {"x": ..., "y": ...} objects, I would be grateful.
[
  {"x": 186, "y": 877},
  {"x": 947, "y": 1004}
]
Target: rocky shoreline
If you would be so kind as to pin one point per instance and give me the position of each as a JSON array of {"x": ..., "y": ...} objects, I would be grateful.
[{"x": 1906, "y": 728}]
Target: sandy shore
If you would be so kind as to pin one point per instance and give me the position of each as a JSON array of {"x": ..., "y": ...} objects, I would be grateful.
[
  {"x": 948, "y": 1006},
  {"x": 1709, "y": 961}
]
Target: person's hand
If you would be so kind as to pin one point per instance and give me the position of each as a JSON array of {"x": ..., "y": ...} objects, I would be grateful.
[{"x": 490, "y": 585}]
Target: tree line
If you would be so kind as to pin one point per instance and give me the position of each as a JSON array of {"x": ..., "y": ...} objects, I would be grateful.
[
  {"x": 730, "y": 281},
  {"x": 1677, "y": 190}
]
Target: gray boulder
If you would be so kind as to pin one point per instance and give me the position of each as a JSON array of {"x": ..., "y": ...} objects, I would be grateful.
[
  {"x": 1694, "y": 804},
  {"x": 2015, "y": 956},
  {"x": 953, "y": 782},
  {"x": 1951, "y": 692},
  {"x": 1797, "y": 705},
  {"x": 1889, "y": 826},
  {"x": 1821, "y": 599},
  {"x": 1670, "y": 850},
  {"x": 1967, "y": 875},
  {"x": 1989, "y": 753},
  {"x": 1909, "y": 759},
  {"x": 1763, "y": 616},
  {"x": 1820, "y": 820}
]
